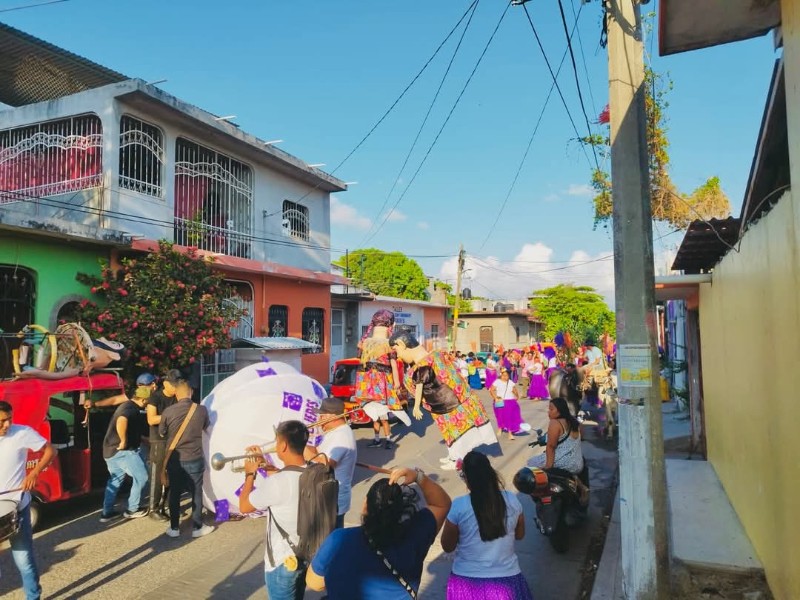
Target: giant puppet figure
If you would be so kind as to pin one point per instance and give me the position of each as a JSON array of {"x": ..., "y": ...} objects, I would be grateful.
[
  {"x": 377, "y": 380},
  {"x": 440, "y": 388}
]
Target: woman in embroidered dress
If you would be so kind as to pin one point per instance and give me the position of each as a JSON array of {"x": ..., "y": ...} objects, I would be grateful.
[
  {"x": 377, "y": 378},
  {"x": 506, "y": 405},
  {"x": 440, "y": 388},
  {"x": 538, "y": 386},
  {"x": 481, "y": 527}
]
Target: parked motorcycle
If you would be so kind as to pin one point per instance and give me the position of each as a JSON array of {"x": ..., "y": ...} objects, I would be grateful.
[{"x": 556, "y": 493}]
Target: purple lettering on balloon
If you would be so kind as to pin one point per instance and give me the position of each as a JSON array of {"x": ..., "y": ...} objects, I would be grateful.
[
  {"x": 266, "y": 372},
  {"x": 292, "y": 401},
  {"x": 264, "y": 358},
  {"x": 262, "y": 472},
  {"x": 317, "y": 441},
  {"x": 221, "y": 511},
  {"x": 319, "y": 390},
  {"x": 238, "y": 491}
]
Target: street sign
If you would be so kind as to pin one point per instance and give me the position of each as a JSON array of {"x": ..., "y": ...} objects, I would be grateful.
[{"x": 634, "y": 365}]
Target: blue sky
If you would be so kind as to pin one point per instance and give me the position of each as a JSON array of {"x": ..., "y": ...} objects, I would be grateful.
[{"x": 318, "y": 74}]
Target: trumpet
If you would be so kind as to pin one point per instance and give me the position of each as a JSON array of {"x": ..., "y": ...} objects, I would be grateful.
[{"x": 219, "y": 460}]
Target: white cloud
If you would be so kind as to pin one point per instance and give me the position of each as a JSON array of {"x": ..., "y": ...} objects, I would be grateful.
[
  {"x": 395, "y": 216},
  {"x": 580, "y": 189},
  {"x": 344, "y": 214},
  {"x": 534, "y": 268},
  {"x": 423, "y": 225}
]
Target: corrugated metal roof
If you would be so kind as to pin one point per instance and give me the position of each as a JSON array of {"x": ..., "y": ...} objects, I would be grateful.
[
  {"x": 274, "y": 343},
  {"x": 32, "y": 70},
  {"x": 705, "y": 243}
]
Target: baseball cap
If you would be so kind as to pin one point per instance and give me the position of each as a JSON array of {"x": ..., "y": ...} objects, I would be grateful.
[
  {"x": 145, "y": 379},
  {"x": 331, "y": 406}
]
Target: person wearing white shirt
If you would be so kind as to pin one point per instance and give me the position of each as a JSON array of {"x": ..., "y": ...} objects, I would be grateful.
[
  {"x": 15, "y": 441},
  {"x": 339, "y": 446},
  {"x": 481, "y": 528}
]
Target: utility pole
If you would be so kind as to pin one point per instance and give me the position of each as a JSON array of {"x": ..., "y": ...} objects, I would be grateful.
[
  {"x": 643, "y": 489},
  {"x": 458, "y": 293}
]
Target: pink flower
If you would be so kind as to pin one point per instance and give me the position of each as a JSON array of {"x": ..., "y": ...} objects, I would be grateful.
[
  {"x": 93, "y": 290},
  {"x": 123, "y": 292}
]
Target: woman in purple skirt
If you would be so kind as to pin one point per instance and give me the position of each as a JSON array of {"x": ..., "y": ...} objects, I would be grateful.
[
  {"x": 506, "y": 405},
  {"x": 481, "y": 527},
  {"x": 491, "y": 371},
  {"x": 538, "y": 385}
]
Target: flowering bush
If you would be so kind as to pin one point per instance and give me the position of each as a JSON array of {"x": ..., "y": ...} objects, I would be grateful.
[{"x": 167, "y": 307}]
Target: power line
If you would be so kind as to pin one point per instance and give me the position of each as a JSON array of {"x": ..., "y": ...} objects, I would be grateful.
[
  {"x": 583, "y": 57},
  {"x": 577, "y": 79},
  {"x": 558, "y": 88},
  {"x": 530, "y": 143},
  {"x": 400, "y": 97},
  {"x": 575, "y": 265},
  {"x": 2, "y": 10},
  {"x": 425, "y": 120},
  {"x": 441, "y": 129}
]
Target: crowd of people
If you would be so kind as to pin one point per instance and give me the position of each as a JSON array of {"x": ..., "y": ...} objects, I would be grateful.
[{"x": 402, "y": 515}]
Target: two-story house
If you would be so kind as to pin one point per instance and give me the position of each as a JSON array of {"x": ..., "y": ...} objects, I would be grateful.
[{"x": 94, "y": 164}]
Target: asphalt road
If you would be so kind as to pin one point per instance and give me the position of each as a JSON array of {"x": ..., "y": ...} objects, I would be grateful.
[{"x": 81, "y": 558}]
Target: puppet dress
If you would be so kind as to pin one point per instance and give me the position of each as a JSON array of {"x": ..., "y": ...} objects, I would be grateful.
[
  {"x": 461, "y": 418},
  {"x": 375, "y": 388}
]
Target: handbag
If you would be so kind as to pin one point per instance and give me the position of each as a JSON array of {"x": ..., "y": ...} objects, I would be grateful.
[
  {"x": 502, "y": 401},
  {"x": 174, "y": 443}
]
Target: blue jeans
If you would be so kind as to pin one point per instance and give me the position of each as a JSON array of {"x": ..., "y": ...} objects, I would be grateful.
[
  {"x": 125, "y": 462},
  {"x": 185, "y": 476},
  {"x": 286, "y": 585},
  {"x": 22, "y": 553}
]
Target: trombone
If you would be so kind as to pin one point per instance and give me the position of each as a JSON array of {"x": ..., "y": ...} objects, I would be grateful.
[{"x": 219, "y": 460}]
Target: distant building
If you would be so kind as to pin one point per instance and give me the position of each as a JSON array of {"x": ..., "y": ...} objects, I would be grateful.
[{"x": 487, "y": 331}]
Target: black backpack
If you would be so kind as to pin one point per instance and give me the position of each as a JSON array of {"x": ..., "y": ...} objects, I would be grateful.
[{"x": 317, "y": 509}]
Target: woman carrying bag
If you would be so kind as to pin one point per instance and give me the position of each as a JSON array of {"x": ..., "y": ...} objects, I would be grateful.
[{"x": 506, "y": 405}]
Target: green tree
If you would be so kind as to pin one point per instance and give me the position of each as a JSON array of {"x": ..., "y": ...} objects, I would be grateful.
[
  {"x": 386, "y": 273},
  {"x": 167, "y": 307},
  {"x": 667, "y": 203},
  {"x": 579, "y": 310}
]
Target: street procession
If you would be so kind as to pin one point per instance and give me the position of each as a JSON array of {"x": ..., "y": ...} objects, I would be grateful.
[{"x": 440, "y": 300}]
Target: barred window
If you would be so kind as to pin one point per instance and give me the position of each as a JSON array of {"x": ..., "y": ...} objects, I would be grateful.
[
  {"x": 295, "y": 220},
  {"x": 313, "y": 328},
  {"x": 278, "y": 320},
  {"x": 49, "y": 158},
  {"x": 434, "y": 331},
  {"x": 213, "y": 200},
  {"x": 141, "y": 156}
]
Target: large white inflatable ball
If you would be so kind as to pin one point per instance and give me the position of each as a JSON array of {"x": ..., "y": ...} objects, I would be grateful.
[{"x": 244, "y": 410}]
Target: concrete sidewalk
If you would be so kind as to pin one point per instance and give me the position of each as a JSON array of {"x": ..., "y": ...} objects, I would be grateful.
[{"x": 709, "y": 549}]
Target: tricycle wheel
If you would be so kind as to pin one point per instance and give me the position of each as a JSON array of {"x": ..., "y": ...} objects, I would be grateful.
[{"x": 36, "y": 513}]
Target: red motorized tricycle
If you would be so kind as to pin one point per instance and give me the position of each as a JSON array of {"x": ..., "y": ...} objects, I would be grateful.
[{"x": 54, "y": 408}]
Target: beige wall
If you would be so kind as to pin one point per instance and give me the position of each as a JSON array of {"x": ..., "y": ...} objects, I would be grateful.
[
  {"x": 750, "y": 339},
  {"x": 503, "y": 329}
]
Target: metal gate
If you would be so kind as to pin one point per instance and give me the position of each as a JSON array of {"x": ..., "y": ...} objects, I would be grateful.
[{"x": 17, "y": 304}]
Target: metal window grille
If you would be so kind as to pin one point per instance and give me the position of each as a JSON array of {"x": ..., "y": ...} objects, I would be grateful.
[
  {"x": 313, "y": 327},
  {"x": 49, "y": 158},
  {"x": 434, "y": 331},
  {"x": 278, "y": 320},
  {"x": 213, "y": 200},
  {"x": 295, "y": 220},
  {"x": 141, "y": 157},
  {"x": 17, "y": 303}
]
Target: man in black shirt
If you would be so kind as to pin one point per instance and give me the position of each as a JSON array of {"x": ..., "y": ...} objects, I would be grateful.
[
  {"x": 157, "y": 402},
  {"x": 185, "y": 464},
  {"x": 121, "y": 453}
]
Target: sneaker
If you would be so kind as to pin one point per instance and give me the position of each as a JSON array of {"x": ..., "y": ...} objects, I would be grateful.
[
  {"x": 106, "y": 517},
  {"x": 376, "y": 443},
  {"x": 204, "y": 530},
  {"x": 173, "y": 533},
  {"x": 388, "y": 444},
  {"x": 142, "y": 512},
  {"x": 450, "y": 466}
]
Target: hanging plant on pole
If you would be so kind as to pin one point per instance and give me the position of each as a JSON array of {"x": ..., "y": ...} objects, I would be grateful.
[{"x": 167, "y": 307}]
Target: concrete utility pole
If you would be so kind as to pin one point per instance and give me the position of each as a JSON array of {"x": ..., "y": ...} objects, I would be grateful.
[
  {"x": 458, "y": 293},
  {"x": 643, "y": 489}
]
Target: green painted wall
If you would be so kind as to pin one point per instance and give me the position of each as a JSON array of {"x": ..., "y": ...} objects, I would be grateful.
[{"x": 55, "y": 264}]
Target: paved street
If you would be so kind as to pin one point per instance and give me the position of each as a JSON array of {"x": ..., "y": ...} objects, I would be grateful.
[{"x": 81, "y": 558}]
